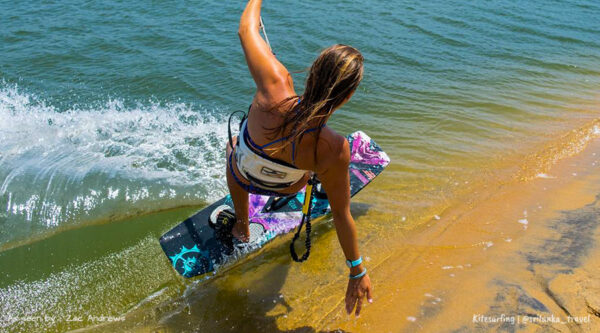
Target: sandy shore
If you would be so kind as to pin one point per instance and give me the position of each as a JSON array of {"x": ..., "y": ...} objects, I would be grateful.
[
  {"x": 521, "y": 257},
  {"x": 525, "y": 258}
]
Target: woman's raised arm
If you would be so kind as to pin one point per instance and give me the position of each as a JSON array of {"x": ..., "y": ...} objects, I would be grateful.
[{"x": 266, "y": 70}]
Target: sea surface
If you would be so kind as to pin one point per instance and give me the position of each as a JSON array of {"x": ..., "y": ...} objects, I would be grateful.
[{"x": 113, "y": 126}]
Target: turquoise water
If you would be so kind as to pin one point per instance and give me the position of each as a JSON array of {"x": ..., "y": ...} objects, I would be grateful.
[{"x": 110, "y": 110}]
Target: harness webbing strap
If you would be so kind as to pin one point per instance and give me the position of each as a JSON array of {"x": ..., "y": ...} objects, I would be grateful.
[{"x": 244, "y": 115}]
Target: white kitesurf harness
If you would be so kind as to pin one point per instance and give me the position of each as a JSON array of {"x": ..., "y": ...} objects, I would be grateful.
[{"x": 260, "y": 169}]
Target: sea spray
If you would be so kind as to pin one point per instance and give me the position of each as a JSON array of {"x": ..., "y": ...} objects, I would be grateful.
[{"x": 89, "y": 164}]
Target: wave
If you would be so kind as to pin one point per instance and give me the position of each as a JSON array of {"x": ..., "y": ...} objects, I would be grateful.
[{"x": 95, "y": 163}]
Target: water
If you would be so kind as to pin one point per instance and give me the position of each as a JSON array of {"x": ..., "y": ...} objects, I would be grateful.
[{"x": 114, "y": 110}]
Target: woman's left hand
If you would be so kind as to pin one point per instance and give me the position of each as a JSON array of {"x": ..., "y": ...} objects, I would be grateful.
[{"x": 357, "y": 290}]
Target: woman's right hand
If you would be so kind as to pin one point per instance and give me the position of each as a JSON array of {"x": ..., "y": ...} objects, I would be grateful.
[{"x": 357, "y": 290}]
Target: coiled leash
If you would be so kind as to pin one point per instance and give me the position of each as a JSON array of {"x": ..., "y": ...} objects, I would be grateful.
[{"x": 306, "y": 212}]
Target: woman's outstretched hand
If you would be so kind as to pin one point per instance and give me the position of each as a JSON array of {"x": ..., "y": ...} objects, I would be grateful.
[{"x": 358, "y": 290}]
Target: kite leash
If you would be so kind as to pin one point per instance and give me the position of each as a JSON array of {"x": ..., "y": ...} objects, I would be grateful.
[{"x": 306, "y": 217}]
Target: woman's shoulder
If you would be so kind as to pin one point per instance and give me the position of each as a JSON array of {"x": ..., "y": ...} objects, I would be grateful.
[
  {"x": 332, "y": 149},
  {"x": 276, "y": 91}
]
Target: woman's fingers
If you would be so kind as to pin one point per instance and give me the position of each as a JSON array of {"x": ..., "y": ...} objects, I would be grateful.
[
  {"x": 359, "y": 299},
  {"x": 350, "y": 301},
  {"x": 358, "y": 305},
  {"x": 349, "y": 292},
  {"x": 357, "y": 290},
  {"x": 351, "y": 296}
]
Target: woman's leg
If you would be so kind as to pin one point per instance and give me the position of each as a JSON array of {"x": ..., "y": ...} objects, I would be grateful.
[{"x": 239, "y": 196}]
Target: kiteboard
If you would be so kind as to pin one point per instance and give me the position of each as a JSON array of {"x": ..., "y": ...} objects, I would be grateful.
[{"x": 195, "y": 247}]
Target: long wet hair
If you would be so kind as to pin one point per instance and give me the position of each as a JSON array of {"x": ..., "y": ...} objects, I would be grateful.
[{"x": 333, "y": 76}]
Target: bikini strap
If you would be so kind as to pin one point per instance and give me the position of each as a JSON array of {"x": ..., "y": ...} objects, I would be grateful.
[{"x": 246, "y": 134}]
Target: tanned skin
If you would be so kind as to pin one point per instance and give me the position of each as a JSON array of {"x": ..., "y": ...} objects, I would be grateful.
[{"x": 274, "y": 84}]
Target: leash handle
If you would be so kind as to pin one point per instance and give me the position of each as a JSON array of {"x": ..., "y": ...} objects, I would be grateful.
[
  {"x": 307, "y": 198},
  {"x": 306, "y": 210}
]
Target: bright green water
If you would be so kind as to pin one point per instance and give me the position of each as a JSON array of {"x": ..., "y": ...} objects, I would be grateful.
[{"x": 115, "y": 109}]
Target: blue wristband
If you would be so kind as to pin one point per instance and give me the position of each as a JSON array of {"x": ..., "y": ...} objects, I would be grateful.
[
  {"x": 353, "y": 263},
  {"x": 359, "y": 275}
]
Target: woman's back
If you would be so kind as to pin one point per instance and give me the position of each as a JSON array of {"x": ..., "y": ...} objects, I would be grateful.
[{"x": 263, "y": 117}]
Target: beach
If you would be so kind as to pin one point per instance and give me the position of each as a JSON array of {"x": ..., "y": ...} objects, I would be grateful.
[
  {"x": 519, "y": 257},
  {"x": 113, "y": 124}
]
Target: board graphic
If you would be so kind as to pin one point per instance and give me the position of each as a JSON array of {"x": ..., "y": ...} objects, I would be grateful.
[{"x": 194, "y": 248}]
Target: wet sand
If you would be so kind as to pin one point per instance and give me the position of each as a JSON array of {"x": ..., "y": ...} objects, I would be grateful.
[
  {"x": 521, "y": 257},
  {"x": 525, "y": 258}
]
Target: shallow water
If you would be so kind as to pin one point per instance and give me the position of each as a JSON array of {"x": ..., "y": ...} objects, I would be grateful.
[{"x": 109, "y": 111}]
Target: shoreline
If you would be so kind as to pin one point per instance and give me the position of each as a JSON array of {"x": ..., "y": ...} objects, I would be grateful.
[
  {"x": 411, "y": 267},
  {"x": 529, "y": 251},
  {"x": 113, "y": 127},
  {"x": 480, "y": 265}
]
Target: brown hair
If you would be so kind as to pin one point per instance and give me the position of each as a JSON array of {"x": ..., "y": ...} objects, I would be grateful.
[{"x": 333, "y": 77}]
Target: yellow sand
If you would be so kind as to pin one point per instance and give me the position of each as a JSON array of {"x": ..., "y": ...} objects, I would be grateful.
[{"x": 524, "y": 251}]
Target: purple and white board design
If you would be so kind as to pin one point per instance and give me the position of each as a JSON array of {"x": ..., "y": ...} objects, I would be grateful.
[{"x": 194, "y": 249}]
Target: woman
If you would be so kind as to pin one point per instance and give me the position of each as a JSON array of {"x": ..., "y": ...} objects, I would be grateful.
[{"x": 284, "y": 140}]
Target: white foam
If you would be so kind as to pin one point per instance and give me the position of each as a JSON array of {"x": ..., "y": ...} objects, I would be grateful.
[
  {"x": 82, "y": 163},
  {"x": 543, "y": 175}
]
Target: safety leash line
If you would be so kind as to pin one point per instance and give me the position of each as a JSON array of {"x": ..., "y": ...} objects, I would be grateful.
[{"x": 306, "y": 212}]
